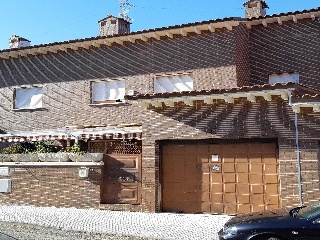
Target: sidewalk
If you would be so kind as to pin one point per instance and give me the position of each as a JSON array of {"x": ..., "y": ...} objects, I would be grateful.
[{"x": 155, "y": 225}]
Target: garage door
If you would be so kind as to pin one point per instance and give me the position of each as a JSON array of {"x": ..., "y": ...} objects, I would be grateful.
[{"x": 220, "y": 178}]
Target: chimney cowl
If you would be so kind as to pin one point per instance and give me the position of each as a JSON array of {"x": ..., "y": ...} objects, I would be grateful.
[
  {"x": 255, "y": 8},
  {"x": 18, "y": 42}
]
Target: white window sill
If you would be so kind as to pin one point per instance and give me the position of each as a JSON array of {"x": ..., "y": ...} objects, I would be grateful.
[
  {"x": 108, "y": 103},
  {"x": 28, "y": 109}
]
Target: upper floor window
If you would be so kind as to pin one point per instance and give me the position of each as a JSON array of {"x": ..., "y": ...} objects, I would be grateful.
[
  {"x": 173, "y": 83},
  {"x": 284, "y": 78},
  {"x": 107, "y": 92},
  {"x": 28, "y": 98}
]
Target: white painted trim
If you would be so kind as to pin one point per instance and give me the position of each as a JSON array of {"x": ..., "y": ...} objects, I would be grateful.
[{"x": 50, "y": 164}]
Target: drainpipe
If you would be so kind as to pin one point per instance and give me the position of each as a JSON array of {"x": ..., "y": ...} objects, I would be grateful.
[{"x": 298, "y": 151}]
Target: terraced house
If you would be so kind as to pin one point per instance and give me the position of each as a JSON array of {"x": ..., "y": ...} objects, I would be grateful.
[{"x": 219, "y": 116}]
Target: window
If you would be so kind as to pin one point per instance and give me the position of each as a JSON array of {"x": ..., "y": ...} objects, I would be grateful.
[
  {"x": 284, "y": 78},
  {"x": 173, "y": 83},
  {"x": 107, "y": 92},
  {"x": 28, "y": 98}
]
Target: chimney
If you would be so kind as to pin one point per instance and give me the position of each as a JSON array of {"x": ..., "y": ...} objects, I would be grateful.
[
  {"x": 113, "y": 25},
  {"x": 255, "y": 8},
  {"x": 18, "y": 42}
]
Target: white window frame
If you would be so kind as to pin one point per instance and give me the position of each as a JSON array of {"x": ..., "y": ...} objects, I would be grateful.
[
  {"x": 173, "y": 83},
  {"x": 28, "y": 98},
  {"x": 284, "y": 78},
  {"x": 107, "y": 92}
]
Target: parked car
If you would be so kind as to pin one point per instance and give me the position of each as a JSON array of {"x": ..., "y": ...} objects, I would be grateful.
[
  {"x": 281, "y": 224},
  {"x": 6, "y": 237}
]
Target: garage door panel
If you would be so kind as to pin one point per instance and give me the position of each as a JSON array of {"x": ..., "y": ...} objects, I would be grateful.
[
  {"x": 216, "y": 178},
  {"x": 256, "y": 178},
  {"x": 270, "y": 169},
  {"x": 242, "y": 177},
  {"x": 217, "y": 208},
  {"x": 272, "y": 189},
  {"x": 269, "y": 159},
  {"x": 258, "y": 208},
  {"x": 229, "y": 187},
  {"x": 217, "y": 197},
  {"x": 243, "y": 199},
  {"x": 272, "y": 199},
  {"x": 230, "y": 198},
  {"x": 243, "y": 208},
  {"x": 228, "y": 167},
  {"x": 257, "y": 199},
  {"x": 246, "y": 181},
  {"x": 243, "y": 188},
  {"x": 242, "y": 168},
  {"x": 271, "y": 178},
  {"x": 229, "y": 177},
  {"x": 256, "y": 188},
  {"x": 230, "y": 208},
  {"x": 217, "y": 187},
  {"x": 256, "y": 168}
]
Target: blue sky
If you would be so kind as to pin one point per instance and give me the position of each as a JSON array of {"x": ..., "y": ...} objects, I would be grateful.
[{"x": 46, "y": 21}]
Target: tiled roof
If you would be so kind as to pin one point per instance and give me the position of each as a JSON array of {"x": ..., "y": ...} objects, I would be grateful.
[
  {"x": 183, "y": 29},
  {"x": 300, "y": 90}
]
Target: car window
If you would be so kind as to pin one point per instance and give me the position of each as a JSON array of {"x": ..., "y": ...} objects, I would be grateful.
[{"x": 310, "y": 211}]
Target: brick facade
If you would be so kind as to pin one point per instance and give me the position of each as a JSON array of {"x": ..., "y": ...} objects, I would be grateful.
[
  {"x": 222, "y": 59},
  {"x": 244, "y": 121},
  {"x": 287, "y": 48},
  {"x": 53, "y": 186}
]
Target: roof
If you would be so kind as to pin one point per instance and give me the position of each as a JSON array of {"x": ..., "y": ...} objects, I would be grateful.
[
  {"x": 157, "y": 33},
  {"x": 291, "y": 92},
  {"x": 299, "y": 89}
]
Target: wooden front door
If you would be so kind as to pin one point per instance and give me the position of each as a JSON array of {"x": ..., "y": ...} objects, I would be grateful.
[
  {"x": 121, "y": 179},
  {"x": 220, "y": 178}
]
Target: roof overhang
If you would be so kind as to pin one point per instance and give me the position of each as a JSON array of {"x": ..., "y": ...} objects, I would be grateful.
[
  {"x": 156, "y": 34},
  {"x": 96, "y": 42},
  {"x": 279, "y": 19},
  {"x": 287, "y": 91}
]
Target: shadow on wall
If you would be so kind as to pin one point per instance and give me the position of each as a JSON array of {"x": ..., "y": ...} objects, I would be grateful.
[{"x": 178, "y": 54}]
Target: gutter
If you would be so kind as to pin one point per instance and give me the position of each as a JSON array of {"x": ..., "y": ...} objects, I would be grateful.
[{"x": 297, "y": 150}]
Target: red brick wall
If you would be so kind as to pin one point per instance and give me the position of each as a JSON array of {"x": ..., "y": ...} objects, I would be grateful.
[
  {"x": 290, "y": 47},
  {"x": 53, "y": 186},
  {"x": 210, "y": 58},
  {"x": 243, "y": 121}
]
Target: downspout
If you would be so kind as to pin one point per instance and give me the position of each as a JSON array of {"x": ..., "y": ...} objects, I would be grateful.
[{"x": 298, "y": 151}]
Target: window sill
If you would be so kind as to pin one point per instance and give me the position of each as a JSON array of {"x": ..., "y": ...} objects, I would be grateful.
[
  {"x": 28, "y": 109},
  {"x": 107, "y": 103}
]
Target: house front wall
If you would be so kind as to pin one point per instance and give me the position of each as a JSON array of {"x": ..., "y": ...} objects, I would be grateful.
[
  {"x": 65, "y": 77},
  {"x": 287, "y": 48},
  {"x": 241, "y": 122}
]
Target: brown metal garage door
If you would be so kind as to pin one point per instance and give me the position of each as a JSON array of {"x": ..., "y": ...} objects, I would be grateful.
[{"x": 220, "y": 178}]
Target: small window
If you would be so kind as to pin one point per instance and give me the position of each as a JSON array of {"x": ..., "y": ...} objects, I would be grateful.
[
  {"x": 284, "y": 78},
  {"x": 28, "y": 98},
  {"x": 107, "y": 92},
  {"x": 174, "y": 83}
]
